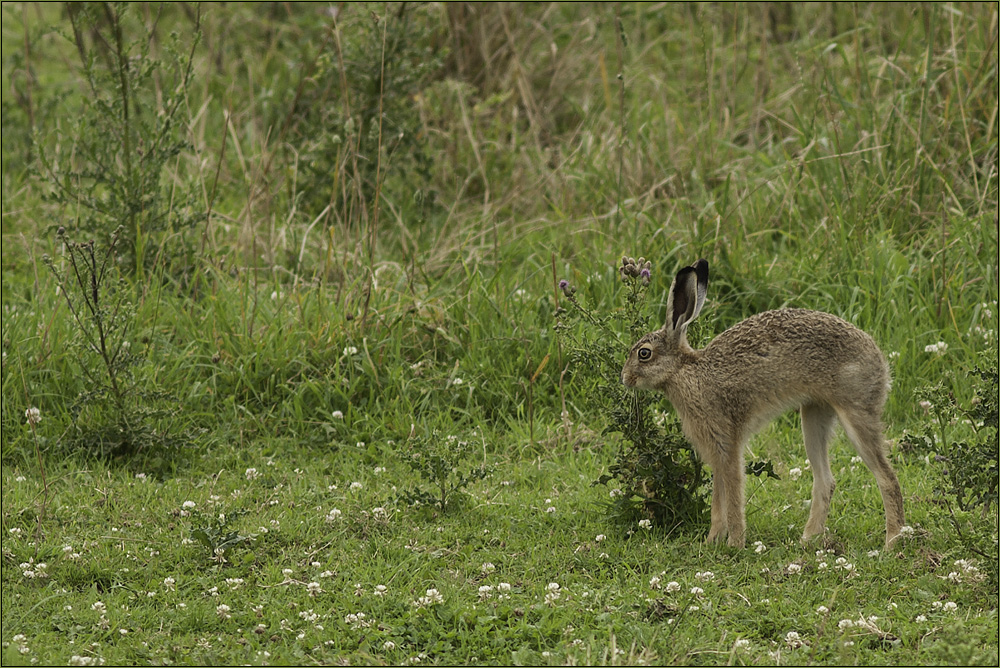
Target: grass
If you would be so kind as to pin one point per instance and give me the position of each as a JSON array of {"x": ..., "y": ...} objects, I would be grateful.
[{"x": 318, "y": 286}]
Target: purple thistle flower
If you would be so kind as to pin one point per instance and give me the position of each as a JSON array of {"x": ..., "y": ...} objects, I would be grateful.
[
  {"x": 563, "y": 284},
  {"x": 644, "y": 274}
]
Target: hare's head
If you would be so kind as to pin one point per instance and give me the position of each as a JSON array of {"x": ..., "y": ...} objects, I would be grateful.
[{"x": 654, "y": 359}]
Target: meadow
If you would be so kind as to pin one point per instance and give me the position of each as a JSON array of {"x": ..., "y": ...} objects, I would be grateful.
[{"x": 289, "y": 378}]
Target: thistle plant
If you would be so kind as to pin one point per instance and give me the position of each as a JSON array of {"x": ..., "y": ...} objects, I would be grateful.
[
  {"x": 108, "y": 162},
  {"x": 215, "y": 533},
  {"x": 442, "y": 462},
  {"x": 963, "y": 442},
  {"x": 115, "y": 414},
  {"x": 657, "y": 474}
]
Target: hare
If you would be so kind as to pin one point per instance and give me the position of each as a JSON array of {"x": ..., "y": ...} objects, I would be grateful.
[{"x": 751, "y": 373}]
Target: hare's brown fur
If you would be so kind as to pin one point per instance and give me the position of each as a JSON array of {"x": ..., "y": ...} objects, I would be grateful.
[{"x": 756, "y": 370}]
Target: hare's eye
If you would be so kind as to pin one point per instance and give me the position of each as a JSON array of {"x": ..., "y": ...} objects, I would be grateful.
[{"x": 644, "y": 354}]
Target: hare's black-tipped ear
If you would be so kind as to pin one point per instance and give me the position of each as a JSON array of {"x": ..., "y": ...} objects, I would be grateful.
[{"x": 687, "y": 296}]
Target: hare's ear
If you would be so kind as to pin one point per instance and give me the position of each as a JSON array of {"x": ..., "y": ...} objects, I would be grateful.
[{"x": 686, "y": 297}]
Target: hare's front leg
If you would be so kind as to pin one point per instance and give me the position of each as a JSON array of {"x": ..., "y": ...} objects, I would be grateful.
[{"x": 727, "y": 497}]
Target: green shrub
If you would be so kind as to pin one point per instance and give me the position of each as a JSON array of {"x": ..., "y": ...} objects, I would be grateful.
[
  {"x": 107, "y": 164},
  {"x": 119, "y": 413},
  {"x": 442, "y": 464},
  {"x": 657, "y": 472},
  {"x": 963, "y": 441}
]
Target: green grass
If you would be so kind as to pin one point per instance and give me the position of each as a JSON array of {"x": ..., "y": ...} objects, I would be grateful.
[{"x": 316, "y": 295}]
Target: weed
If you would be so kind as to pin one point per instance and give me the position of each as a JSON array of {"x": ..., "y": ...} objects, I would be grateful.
[
  {"x": 215, "y": 533},
  {"x": 442, "y": 463},
  {"x": 964, "y": 443},
  {"x": 658, "y": 473},
  {"x": 126, "y": 133},
  {"x": 118, "y": 412}
]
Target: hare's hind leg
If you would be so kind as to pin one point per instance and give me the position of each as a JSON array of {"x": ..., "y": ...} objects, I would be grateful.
[
  {"x": 865, "y": 430},
  {"x": 717, "y": 531},
  {"x": 817, "y": 426}
]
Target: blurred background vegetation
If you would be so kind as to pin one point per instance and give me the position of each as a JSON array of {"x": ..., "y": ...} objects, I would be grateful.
[{"x": 412, "y": 179}]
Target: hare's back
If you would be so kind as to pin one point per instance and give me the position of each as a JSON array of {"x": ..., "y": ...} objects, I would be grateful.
[{"x": 801, "y": 348}]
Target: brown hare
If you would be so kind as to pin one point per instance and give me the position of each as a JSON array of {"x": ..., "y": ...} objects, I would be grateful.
[{"x": 751, "y": 373}]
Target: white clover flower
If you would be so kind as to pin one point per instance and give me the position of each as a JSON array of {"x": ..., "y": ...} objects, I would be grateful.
[
  {"x": 615, "y": 493},
  {"x": 794, "y": 473},
  {"x": 355, "y": 486},
  {"x": 485, "y": 592},
  {"x": 503, "y": 586},
  {"x": 357, "y": 621},
  {"x": 600, "y": 537},
  {"x": 704, "y": 576},
  {"x": 697, "y": 591},
  {"x": 388, "y": 645},
  {"x": 654, "y": 582},
  {"x": 673, "y": 586},
  {"x": 77, "y": 660},
  {"x": 188, "y": 505},
  {"x": 380, "y": 590},
  {"x": 222, "y": 610},
  {"x": 99, "y": 607},
  {"x": 794, "y": 568},
  {"x": 793, "y": 639},
  {"x": 333, "y": 515},
  {"x": 487, "y": 567},
  {"x": 845, "y": 624},
  {"x": 950, "y": 606},
  {"x": 645, "y": 525},
  {"x": 433, "y": 597},
  {"x": 252, "y": 474},
  {"x": 920, "y": 619},
  {"x": 938, "y": 348},
  {"x": 552, "y": 593},
  {"x": 350, "y": 350},
  {"x": 550, "y": 509},
  {"x": 337, "y": 415},
  {"x": 314, "y": 589},
  {"x": 822, "y": 610},
  {"x": 758, "y": 547},
  {"x": 741, "y": 644},
  {"x": 33, "y": 416}
]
